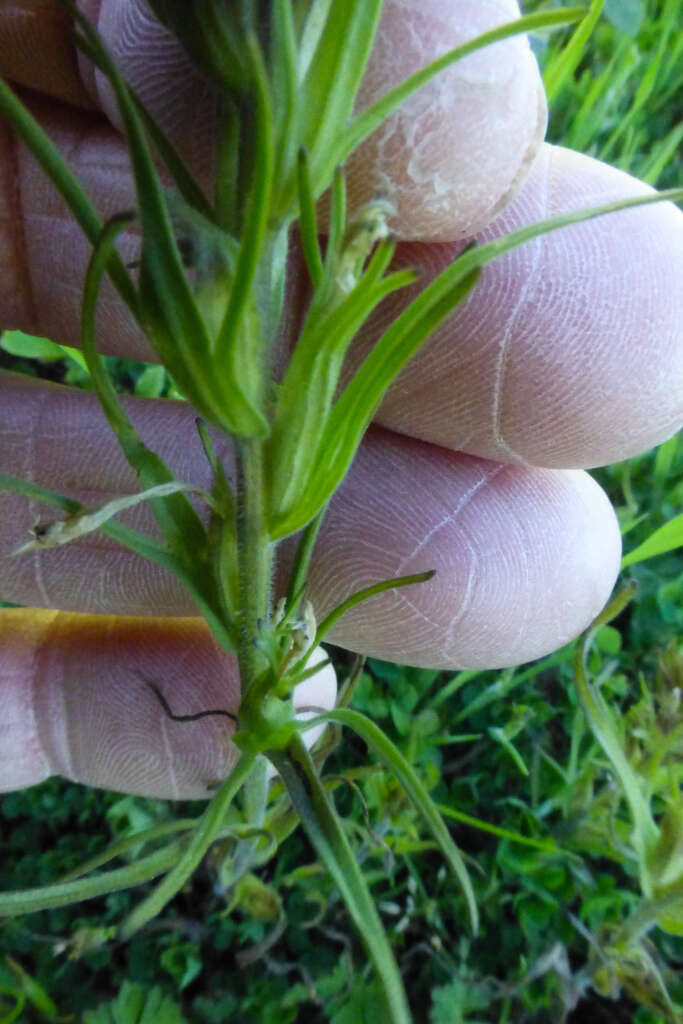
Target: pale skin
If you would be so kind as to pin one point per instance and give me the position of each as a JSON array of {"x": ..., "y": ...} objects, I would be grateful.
[{"x": 568, "y": 355}]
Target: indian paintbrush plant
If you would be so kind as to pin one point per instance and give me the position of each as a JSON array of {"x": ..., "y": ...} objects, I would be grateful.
[{"x": 208, "y": 292}]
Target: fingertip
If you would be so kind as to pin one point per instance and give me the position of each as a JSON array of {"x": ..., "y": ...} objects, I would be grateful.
[
  {"x": 525, "y": 557},
  {"x": 458, "y": 149}
]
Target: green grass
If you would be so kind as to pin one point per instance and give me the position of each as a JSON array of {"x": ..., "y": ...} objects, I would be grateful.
[{"x": 507, "y": 755}]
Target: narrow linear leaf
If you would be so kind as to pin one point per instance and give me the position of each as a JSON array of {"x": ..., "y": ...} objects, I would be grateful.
[
  {"x": 185, "y": 182},
  {"x": 667, "y": 538},
  {"x": 366, "y": 593},
  {"x": 308, "y": 223},
  {"x": 396, "y": 763},
  {"x": 194, "y": 580},
  {"x": 176, "y": 517},
  {"x": 355, "y": 408},
  {"x": 307, "y": 391},
  {"x": 333, "y": 78},
  {"x": 65, "y": 530},
  {"x": 284, "y": 60},
  {"x": 68, "y": 186},
  {"x": 172, "y": 319},
  {"x": 353, "y": 411},
  {"x": 122, "y": 846},
  {"x": 203, "y": 836},
  {"x": 547, "y": 846},
  {"x": 323, "y": 827},
  {"x": 566, "y": 62},
  {"x": 301, "y": 563},
  {"x": 238, "y": 344},
  {"x": 316, "y": 18}
]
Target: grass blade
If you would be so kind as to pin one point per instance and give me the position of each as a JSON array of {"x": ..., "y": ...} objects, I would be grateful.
[
  {"x": 566, "y": 61},
  {"x": 667, "y": 538}
]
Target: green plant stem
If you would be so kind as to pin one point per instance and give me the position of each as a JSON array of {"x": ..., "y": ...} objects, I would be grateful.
[
  {"x": 255, "y": 558},
  {"x": 324, "y": 830},
  {"x": 27, "y": 901}
]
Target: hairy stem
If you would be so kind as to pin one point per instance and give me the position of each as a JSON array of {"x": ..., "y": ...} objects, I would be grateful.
[{"x": 255, "y": 555}]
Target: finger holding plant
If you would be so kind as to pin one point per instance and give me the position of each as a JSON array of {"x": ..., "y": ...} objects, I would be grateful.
[{"x": 219, "y": 293}]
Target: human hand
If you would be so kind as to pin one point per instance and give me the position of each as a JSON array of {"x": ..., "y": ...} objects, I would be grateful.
[{"x": 567, "y": 354}]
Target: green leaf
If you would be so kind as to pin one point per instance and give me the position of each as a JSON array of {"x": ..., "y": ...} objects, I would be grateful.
[
  {"x": 238, "y": 345},
  {"x": 193, "y": 578},
  {"x": 567, "y": 60},
  {"x": 547, "y": 846},
  {"x": 355, "y": 408},
  {"x": 182, "y": 962},
  {"x": 308, "y": 224},
  {"x": 186, "y": 184},
  {"x": 305, "y": 398},
  {"x": 332, "y": 79},
  {"x": 68, "y": 185},
  {"x": 667, "y": 538},
  {"x": 151, "y": 382},
  {"x": 176, "y": 515},
  {"x": 64, "y": 531},
  {"x": 136, "y": 1005},
  {"x": 353, "y": 411},
  {"x": 33, "y": 991},
  {"x": 129, "y": 844},
  {"x": 366, "y": 593},
  {"x": 285, "y": 74},
  {"x": 203, "y": 836},
  {"x": 394, "y": 760},
  {"x": 329, "y": 840},
  {"x": 170, "y": 314},
  {"x": 28, "y": 346}
]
